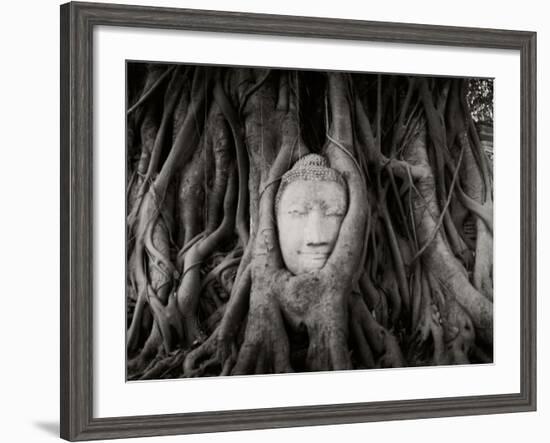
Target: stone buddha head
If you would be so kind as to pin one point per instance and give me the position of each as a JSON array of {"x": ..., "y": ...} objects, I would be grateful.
[{"x": 310, "y": 205}]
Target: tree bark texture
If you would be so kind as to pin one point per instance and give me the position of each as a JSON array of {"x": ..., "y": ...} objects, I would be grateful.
[{"x": 409, "y": 281}]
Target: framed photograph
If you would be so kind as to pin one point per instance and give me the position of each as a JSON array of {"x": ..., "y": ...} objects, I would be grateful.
[{"x": 273, "y": 221}]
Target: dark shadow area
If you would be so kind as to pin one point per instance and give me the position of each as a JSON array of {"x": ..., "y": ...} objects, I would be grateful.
[{"x": 49, "y": 427}]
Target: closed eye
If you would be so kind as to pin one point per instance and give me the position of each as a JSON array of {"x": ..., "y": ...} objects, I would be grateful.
[
  {"x": 334, "y": 213},
  {"x": 296, "y": 212}
]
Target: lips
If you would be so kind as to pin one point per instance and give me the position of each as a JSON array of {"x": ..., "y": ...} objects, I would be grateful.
[{"x": 314, "y": 255}]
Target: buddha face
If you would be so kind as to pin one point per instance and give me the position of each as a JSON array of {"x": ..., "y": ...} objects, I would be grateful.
[{"x": 309, "y": 215}]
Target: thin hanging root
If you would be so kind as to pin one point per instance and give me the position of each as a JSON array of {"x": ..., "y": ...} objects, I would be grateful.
[
  {"x": 483, "y": 159},
  {"x": 148, "y": 132},
  {"x": 172, "y": 94},
  {"x": 483, "y": 267},
  {"x": 400, "y": 124},
  {"x": 419, "y": 286},
  {"x": 152, "y": 348},
  {"x": 456, "y": 242},
  {"x": 428, "y": 333},
  {"x": 379, "y": 339},
  {"x": 437, "y": 132},
  {"x": 374, "y": 156},
  {"x": 365, "y": 353},
  {"x": 168, "y": 319},
  {"x": 149, "y": 93},
  {"x": 437, "y": 291},
  {"x": 235, "y": 312},
  {"x": 371, "y": 329},
  {"x": 482, "y": 211},
  {"x": 365, "y": 133},
  {"x": 397, "y": 260},
  {"x": 206, "y": 245},
  {"x": 399, "y": 202},
  {"x": 363, "y": 348},
  {"x": 187, "y": 246},
  {"x": 144, "y": 246},
  {"x": 220, "y": 141},
  {"x": 252, "y": 90},
  {"x": 374, "y": 299},
  {"x": 390, "y": 288},
  {"x": 188, "y": 135},
  {"x": 190, "y": 200},
  {"x": 435, "y": 230},
  {"x": 153, "y": 137},
  {"x": 478, "y": 195},
  {"x": 242, "y": 162},
  {"x": 133, "y": 333},
  {"x": 188, "y": 292},
  {"x": 283, "y": 96},
  {"x": 161, "y": 269},
  {"x": 480, "y": 159},
  {"x": 434, "y": 321},
  {"x": 229, "y": 363}
]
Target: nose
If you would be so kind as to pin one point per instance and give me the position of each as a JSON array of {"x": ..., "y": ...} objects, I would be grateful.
[{"x": 314, "y": 229}]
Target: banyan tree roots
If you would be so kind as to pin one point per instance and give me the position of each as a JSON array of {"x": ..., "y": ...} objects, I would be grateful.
[{"x": 409, "y": 281}]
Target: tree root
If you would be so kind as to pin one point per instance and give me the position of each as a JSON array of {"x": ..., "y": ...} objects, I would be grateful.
[
  {"x": 382, "y": 344},
  {"x": 219, "y": 300},
  {"x": 438, "y": 258}
]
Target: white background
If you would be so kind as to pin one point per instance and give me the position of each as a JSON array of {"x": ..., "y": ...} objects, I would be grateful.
[{"x": 29, "y": 185}]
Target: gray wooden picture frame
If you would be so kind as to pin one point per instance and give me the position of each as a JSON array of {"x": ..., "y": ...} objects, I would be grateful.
[{"x": 77, "y": 23}]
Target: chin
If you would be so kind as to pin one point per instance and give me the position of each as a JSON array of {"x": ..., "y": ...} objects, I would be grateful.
[{"x": 313, "y": 266}]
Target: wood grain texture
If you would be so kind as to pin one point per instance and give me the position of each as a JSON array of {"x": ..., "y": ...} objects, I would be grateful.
[{"x": 77, "y": 23}]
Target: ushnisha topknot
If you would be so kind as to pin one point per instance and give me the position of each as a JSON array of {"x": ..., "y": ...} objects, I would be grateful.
[{"x": 310, "y": 167}]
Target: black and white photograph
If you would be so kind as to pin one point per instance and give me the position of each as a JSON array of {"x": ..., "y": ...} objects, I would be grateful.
[{"x": 289, "y": 221}]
